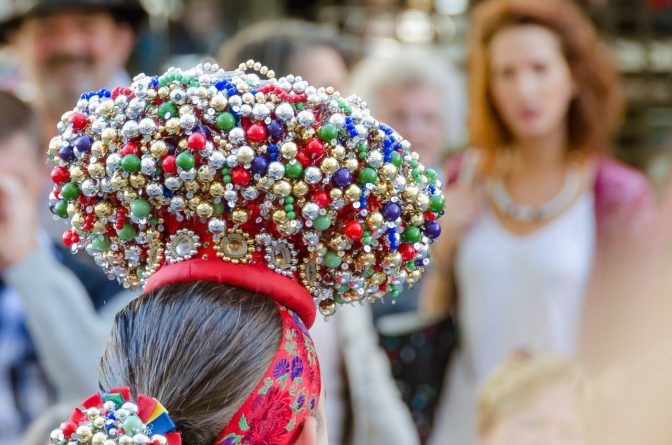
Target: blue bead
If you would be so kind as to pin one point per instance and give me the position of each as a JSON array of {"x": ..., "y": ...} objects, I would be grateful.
[
  {"x": 432, "y": 229},
  {"x": 66, "y": 153},
  {"x": 83, "y": 144},
  {"x": 275, "y": 129},
  {"x": 259, "y": 164},
  {"x": 391, "y": 211},
  {"x": 341, "y": 177},
  {"x": 272, "y": 148}
]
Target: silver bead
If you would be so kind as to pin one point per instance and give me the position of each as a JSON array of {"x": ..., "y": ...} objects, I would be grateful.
[
  {"x": 89, "y": 187},
  {"x": 125, "y": 440},
  {"x": 245, "y": 110},
  {"x": 140, "y": 439},
  {"x": 216, "y": 159},
  {"x": 130, "y": 407},
  {"x": 306, "y": 118},
  {"x": 310, "y": 211},
  {"x": 311, "y": 238},
  {"x": 284, "y": 111},
  {"x": 216, "y": 225},
  {"x": 153, "y": 189},
  {"x": 312, "y": 174},
  {"x": 374, "y": 159},
  {"x": 112, "y": 163},
  {"x": 245, "y": 155},
  {"x": 188, "y": 175},
  {"x": 173, "y": 183},
  {"x": 276, "y": 170},
  {"x": 237, "y": 135},
  {"x": 235, "y": 101},
  {"x": 399, "y": 184},
  {"x": 187, "y": 121},
  {"x": 250, "y": 193},
  {"x": 134, "y": 108},
  {"x": 98, "y": 439},
  {"x": 148, "y": 165},
  {"x": 98, "y": 125},
  {"x": 147, "y": 126},
  {"x": 105, "y": 185},
  {"x": 337, "y": 119},
  {"x": 261, "y": 112},
  {"x": 121, "y": 413},
  {"x": 231, "y": 195},
  {"x": 178, "y": 96},
  {"x": 177, "y": 203},
  {"x": 130, "y": 129}
]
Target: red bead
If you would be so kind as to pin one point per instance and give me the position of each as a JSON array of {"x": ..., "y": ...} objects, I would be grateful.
[
  {"x": 196, "y": 141},
  {"x": 303, "y": 157},
  {"x": 79, "y": 121},
  {"x": 354, "y": 230},
  {"x": 430, "y": 216},
  {"x": 168, "y": 164},
  {"x": 322, "y": 199},
  {"x": 60, "y": 175},
  {"x": 256, "y": 133},
  {"x": 70, "y": 237},
  {"x": 69, "y": 428},
  {"x": 407, "y": 252},
  {"x": 315, "y": 148},
  {"x": 131, "y": 148},
  {"x": 240, "y": 176}
]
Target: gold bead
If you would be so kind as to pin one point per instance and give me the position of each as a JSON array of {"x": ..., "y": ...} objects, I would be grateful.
[
  {"x": 102, "y": 210},
  {"x": 77, "y": 221},
  {"x": 117, "y": 182},
  {"x": 336, "y": 194},
  {"x": 99, "y": 423},
  {"x": 288, "y": 150},
  {"x": 194, "y": 202},
  {"x": 186, "y": 109},
  {"x": 279, "y": 216},
  {"x": 108, "y": 135},
  {"x": 239, "y": 216},
  {"x": 327, "y": 307},
  {"x": 300, "y": 189},
  {"x": 55, "y": 145},
  {"x": 422, "y": 202},
  {"x": 392, "y": 260},
  {"x": 374, "y": 221},
  {"x": 351, "y": 164},
  {"x": 72, "y": 209},
  {"x": 388, "y": 171},
  {"x": 270, "y": 74},
  {"x": 338, "y": 152},
  {"x": 353, "y": 193},
  {"x": 129, "y": 196},
  {"x": 248, "y": 98},
  {"x": 282, "y": 188},
  {"x": 417, "y": 219},
  {"x": 98, "y": 149},
  {"x": 99, "y": 227},
  {"x": 77, "y": 175},
  {"x": 217, "y": 189},
  {"x": 257, "y": 66},
  {"x": 204, "y": 210},
  {"x": 163, "y": 92},
  {"x": 137, "y": 180},
  {"x": 377, "y": 279},
  {"x": 106, "y": 108},
  {"x": 219, "y": 102},
  {"x": 329, "y": 166},
  {"x": 191, "y": 186},
  {"x": 413, "y": 277},
  {"x": 206, "y": 173},
  {"x": 410, "y": 194},
  {"x": 365, "y": 261},
  {"x": 172, "y": 125},
  {"x": 249, "y": 63},
  {"x": 158, "y": 149}
]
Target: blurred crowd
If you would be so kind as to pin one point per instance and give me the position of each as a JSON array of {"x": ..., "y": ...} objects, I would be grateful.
[{"x": 544, "y": 317}]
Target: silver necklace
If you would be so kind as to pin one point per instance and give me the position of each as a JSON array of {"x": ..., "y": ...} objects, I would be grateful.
[{"x": 533, "y": 214}]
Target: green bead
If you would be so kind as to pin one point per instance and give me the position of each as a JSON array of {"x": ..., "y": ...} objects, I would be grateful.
[
  {"x": 127, "y": 233},
  {"x": 414, "y": 163},
  {"x": 289, "y": 199},
  {"x": 219, "y": 209},
  {"x": 328, "y": 132},
  {"x": 70, "y": 191},
  {"x": 322, "y": 222},
  {"x": 436, "y": 203},
  {"x": 291, "y": 215},
  {"x": 61, "y": 209},
  {"x": 431, "y": 174},
  {"x": 412, "y": 234},
  {"x": 299, "y": 106},
  {"x": 225, "y": 121},
  {"x": 167, "y": 110},
  {"x": 101, "y": 243},
  {"x": 293, "y": 169},
  {"x": 140, "y": 208},
  {"x": 133, "y": 425},
  {"x": 227, "y": 179},
  {"x": 368, "y": 176},
  {"x": 185, "y": 161},
  {"x": 130, "y": 163},
  {"x": 396, "y": 159},
  {"x": 332, "y": 260},
  {"x": 153, "y": 221},
  {"x": 289, "y": 208}
]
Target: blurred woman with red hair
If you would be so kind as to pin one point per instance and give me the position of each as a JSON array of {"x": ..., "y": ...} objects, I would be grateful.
[{"x": 534, "y": 213}]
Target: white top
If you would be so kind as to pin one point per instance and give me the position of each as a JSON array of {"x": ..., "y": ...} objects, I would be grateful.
[{"x": 516, "y": 291}]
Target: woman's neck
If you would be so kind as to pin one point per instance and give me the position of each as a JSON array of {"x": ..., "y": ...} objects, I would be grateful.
[{"x": 541, "y": 156}]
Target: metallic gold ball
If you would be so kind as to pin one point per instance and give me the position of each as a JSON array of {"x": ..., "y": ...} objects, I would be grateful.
[
  {"x": 129, "y": 196},
  {"x": 300, "y": 189},
  {"x": 99, "y": 423},
  {"x": 366, "y": 260},
  {"x": 219, "y": 102},
  {"x": 375, "y": 221},
  {"x": 239, "y": 216},
  {"x": 99, "y": 438},
  {"x": 55, "y": 144},
  {"x": 353, "y": 193},
  {"x": 77, "y": 221},
  {"x": 137, "y": 180},
  {"x": 245, "y": 155},
  {"x": 102, "y": 209},
  {"x": 265, "y": 183},
  {"x": 282, "y": 188},
  {"x": 217, "y": 189},
  {"x": 338, "y": 152},
  {"x": 98, "y": 227},
  {"x": 108, "y": 135},
  {"x": 413, "y": 277},
  {"x": 194, "y": 202},
  {"x": 279, "y": 216},
  {"x": 186, "y": 109},
  {"x": 388, "y": 171},
  {"x": 125, "y": 440},
  {"x": 336, "y": 194},
  {"x": 417, "y": 219},
  {"x": 163, "y": 92},
  {"x": 98, "y": 149},
  {"x": 77, "y": 174},
  {"x": 327, "y": 307},
  {"x": 377, "y": 278},
  {"x": 106, "y": 108},
  {"x": 392, "y": 260},
  {"x": 410, "y": 193},
  {"x": 191, "y": 186},
  {"x": 329, "y": 166},
  {"x": 158, "y": 149},
  {"x": 206, "y": 173},
  {"x": 173, "y": 125},
  {"x": 97, "y": 170},
  {"x": 84, "y": 433},
  {"x": 118, "y": 182},
  {"x": 288, "y": 150},
  {"x": 422, "y": 202},
  {"x": 383, "y": 189},
  {"x": 204, "y": 210},
  {"x": 72, "y": 209},
  {"x": 248, "y": 98},
  {"x": 351, "y": 164}
]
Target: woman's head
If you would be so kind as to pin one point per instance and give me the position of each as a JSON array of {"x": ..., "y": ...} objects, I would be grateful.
[
  {"x": 536, "y": 69},
  {"x": 531, "y": 399},
  {"x": 200, "y": 348}
]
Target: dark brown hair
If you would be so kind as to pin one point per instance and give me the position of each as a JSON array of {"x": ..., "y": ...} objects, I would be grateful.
[
  {"x": 598, "y": 107},
  {"x": 199, "y": 348},
  {"x": 17, "y": 117}
]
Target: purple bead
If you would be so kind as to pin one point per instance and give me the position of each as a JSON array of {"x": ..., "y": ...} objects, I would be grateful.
[
  {"x": 83, "y": 144},
  {"x": 67, "y": 153},
  {"x": 432, "y": 229},
  {"x": 171, "y": 147},
  {"x": 341, "y": 177},
  {"x": 204, "y": 130},
  {"x": 274, "y": 129},
  {"x": 259, "y": 164},
  {"x": 391, "y": 211}
]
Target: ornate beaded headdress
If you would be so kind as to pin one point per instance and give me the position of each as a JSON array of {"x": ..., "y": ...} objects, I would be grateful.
[{"x": 268, "y": 184}]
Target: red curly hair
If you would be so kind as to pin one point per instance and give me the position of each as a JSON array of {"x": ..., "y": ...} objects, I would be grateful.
[{"x": 597, "y": 109}]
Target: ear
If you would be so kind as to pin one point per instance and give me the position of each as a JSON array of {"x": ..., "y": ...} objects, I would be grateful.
[{"x": 308, "y": 435}]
